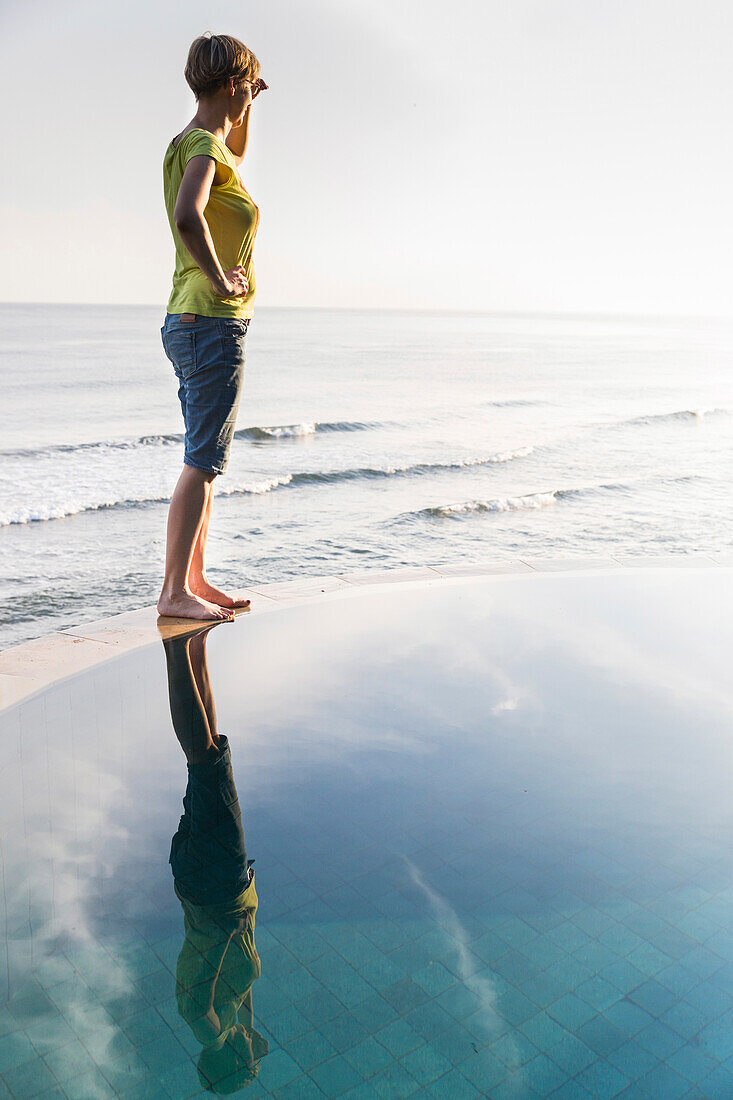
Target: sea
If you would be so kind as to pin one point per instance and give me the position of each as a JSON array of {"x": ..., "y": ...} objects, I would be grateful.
[{"x": 366, "y": 439}]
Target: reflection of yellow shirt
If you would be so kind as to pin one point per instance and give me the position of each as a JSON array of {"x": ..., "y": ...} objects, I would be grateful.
[
  {"x": 211, "y": 948},
  {"x": 232, "y": 218}
]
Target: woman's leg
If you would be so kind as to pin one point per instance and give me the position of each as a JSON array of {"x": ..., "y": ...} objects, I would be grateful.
[
  {"x": 185, "y": 518},
  {"x": 198, "y": 582}
]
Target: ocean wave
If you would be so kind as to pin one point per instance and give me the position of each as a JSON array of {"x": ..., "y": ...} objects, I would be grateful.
[
  {"x": 255, "y": 432},
  {"x": 515, "y": 403},
  {"x": 72, "y": 507},
  {"x": 523, "y": 503},
  {"x": 39, "y": 513},
  {"x": 358, "y": 473},
  {"x": 694, "y": 415},
  {"x": 293, "y": 431}
]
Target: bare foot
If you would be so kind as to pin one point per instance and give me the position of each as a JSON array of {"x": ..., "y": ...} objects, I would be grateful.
[
  {"x": 207, "y": 591},
  {"x": 188, "y": 605}
]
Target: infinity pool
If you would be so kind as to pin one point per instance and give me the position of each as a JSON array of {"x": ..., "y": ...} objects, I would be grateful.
[{"x": 485, "y": 850}]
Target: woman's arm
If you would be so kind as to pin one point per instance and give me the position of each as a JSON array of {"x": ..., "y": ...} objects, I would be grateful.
[
  {"x": 238, "y": 137},
  {"x": 193, "y": 195}
]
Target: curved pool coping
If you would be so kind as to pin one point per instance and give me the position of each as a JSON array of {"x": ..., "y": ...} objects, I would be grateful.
[{"x": 31, "y": 667}]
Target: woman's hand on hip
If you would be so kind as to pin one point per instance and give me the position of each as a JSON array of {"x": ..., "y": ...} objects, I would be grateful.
[{"x": 235, "y": 283}]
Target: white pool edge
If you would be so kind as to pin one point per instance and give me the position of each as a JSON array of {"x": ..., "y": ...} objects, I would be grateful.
[{"x": 32, "y": 667}]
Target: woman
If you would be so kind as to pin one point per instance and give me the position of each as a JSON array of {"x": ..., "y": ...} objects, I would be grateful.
[
  {"x": 214, "y": 222},
  {"x": 214, "y": 882}
]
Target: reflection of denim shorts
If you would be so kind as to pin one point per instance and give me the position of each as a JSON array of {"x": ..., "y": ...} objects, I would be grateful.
[
  {"x": 208, "y": 856},
  {"x": 208, "y": 356}
]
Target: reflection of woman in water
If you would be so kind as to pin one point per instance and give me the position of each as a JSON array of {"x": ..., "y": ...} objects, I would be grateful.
[{"x": 214, "y": 882}]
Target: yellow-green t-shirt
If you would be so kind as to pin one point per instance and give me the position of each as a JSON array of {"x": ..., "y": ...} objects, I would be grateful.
[
  {"x": 216, "y": 966},
  {"x": 232, "y": 218}
]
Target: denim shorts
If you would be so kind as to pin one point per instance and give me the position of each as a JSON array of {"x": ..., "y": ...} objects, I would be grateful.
[
  {"x": 208, "y": 357},
  {"x": 208, "y": 856}
]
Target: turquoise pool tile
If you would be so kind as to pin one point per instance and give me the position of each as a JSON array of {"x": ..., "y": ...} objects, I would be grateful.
[
  {"x": 623, "y": 975},
  {"x": 484, "y": 1071},
  {"x": 434, "y": 979},
  {"x": 543, "y": 1031},
  {"x": 399, "y": 1038},
  {"x": 92, "y": 1086},
  {"x": 109, "y": 1042},
  {"x": 301, "y": 1089},
  {"x": 514, "y": 967},
  {"x": 717, "y": 1039},
  {"x": 710, "y": 1000},
  {"x": 381, "y": 971},
  {"x": 287, "y": 1025},
  {"x": 335, "y": 1076},
  {"x": 374, "y": 1013},
  {"x": 718, "y": 1084},
  {"x": 15, "y": 1049},
  {"x": 568, "y": 936},
  {"x": 277, "y": 1069},
  {"x": 692, "y": 1062},
  {"x": 628, "y": 1017},
  {"x": 602, "y": 1080},
  {"x": 426, "y": 1064},
  {"x": 47, "y": 1035},
  {"x": 343, "y": 1031},
  {"x": 544, "y": 1075},
  {"x": 664, "y": 1082},
  {"x": 570, "y": 972},
  {"x": 515, "y": 1087},
  {"x": 69, "y": 1061},
  {"x": 601, "y": 1036},
  {"x": 598, "y": 992},
  {"x": 654, "y": 997},
  {"x": 659, "y": 1039},
  {"x": 453, "y": 1086},
  {"x": 121, "y": 1072},
  {"x": 649, "y": 959},
  {"x": 514, "y": 1049},
  {"x": 542, "y": 989},
  {"x": 702, "y": 962},
  {"x": 429, "y": 1019},
  {"x": 595, "y": 956},
  {"x": 310, "y": 1049},
  {"x": 514, "y": 1007},
  {"x": 571, "y": 1090},
  {"x": 632, "y": 1059},
  {"x": 404, "y": 995},
  {"x": 488, "y": 946},
  {"x": 296, "y": 986},
  {"x": 515, "y": 932},
  {"x": 459, "y": 1001},
  {"x": 686, "y": 1019},
  {"x": 317, "y": 1006},
  {"x": 571, "y": 1054},
  {"x": 180, "y": 1082},
  {"x": 29, "y": 1078},
  {"x": 571, "y": 1011},
  {"x": 394, "y": 1081},
  {"x": 620, "y": 939},
  {"x": 368, "y": 1057},
  {"x": 144, "y": 1026},
  {"x": 364, "y": 1091},
  {"x": 679, "y": 980},
  {"x": 456, "y": 1044}
]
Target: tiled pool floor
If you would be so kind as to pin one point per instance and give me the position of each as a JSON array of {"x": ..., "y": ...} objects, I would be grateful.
[{"x": 492, "y": 833}]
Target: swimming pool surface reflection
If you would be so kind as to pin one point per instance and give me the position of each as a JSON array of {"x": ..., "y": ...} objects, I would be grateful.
[{"x": 490, "y": 828}]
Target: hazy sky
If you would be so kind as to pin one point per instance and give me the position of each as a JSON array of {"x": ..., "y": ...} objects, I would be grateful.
[{"x": 510, "y": 155}]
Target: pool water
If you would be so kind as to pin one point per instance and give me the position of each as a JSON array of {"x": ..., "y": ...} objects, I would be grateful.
[{"x": 491, "y": 829}]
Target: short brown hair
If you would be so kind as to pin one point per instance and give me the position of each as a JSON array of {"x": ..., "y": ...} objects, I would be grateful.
[{"x": 214, "y": 58}]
